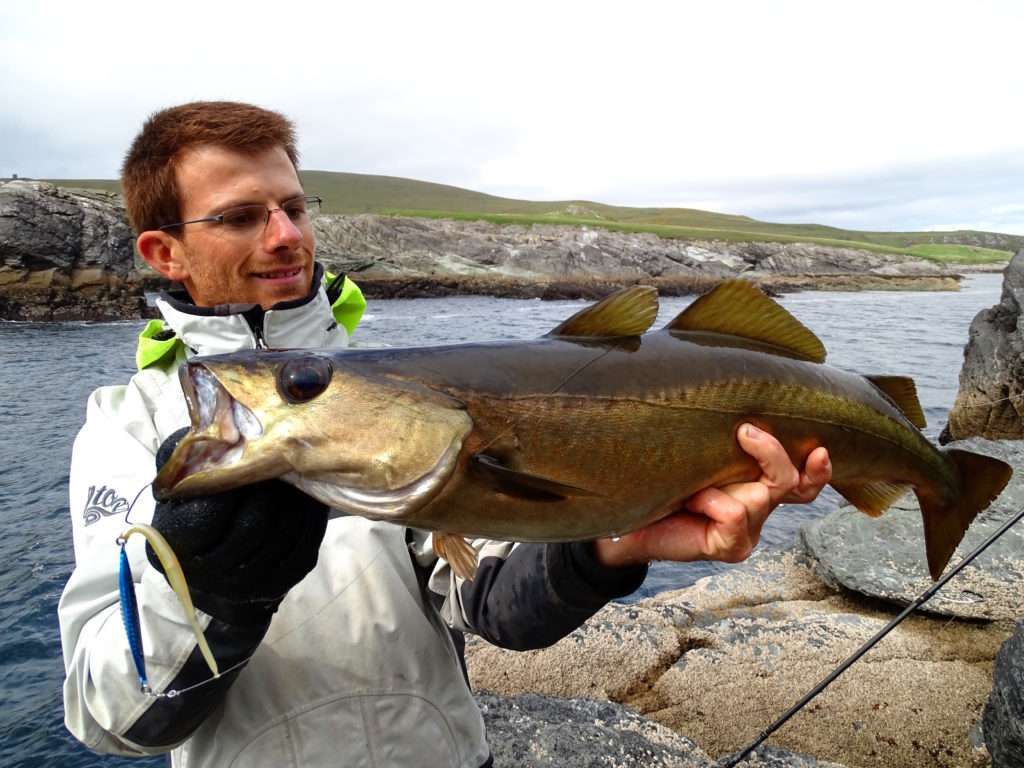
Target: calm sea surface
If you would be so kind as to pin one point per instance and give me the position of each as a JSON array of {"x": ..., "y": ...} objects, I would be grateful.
[{"x": 47, "y": 371}]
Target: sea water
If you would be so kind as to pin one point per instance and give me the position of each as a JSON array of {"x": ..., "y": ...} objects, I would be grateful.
[{"x": 47, "y": 371}]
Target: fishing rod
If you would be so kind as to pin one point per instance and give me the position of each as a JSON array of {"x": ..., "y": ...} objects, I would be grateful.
[{"x": 921, "y": 600}]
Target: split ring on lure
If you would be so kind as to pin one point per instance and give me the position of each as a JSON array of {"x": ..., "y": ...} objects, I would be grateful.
[{"x": 130, "y": 608}]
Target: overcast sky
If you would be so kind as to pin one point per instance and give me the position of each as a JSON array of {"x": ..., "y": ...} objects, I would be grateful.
[{"x": 885, "y": 116}]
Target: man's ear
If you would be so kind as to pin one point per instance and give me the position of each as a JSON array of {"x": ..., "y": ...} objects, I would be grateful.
[{"x": 164, "y": 253}]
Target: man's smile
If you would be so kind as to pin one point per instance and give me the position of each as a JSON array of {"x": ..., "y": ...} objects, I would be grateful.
[{"x": 282, "y": 273}]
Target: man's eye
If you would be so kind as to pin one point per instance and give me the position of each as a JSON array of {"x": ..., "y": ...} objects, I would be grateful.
[
  {"x": 296, "y": 210},
  {"x": 245, "y": 216}
]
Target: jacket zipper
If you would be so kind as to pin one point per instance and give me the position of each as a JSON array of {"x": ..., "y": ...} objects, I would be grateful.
[{"x": 255, "y": 317}]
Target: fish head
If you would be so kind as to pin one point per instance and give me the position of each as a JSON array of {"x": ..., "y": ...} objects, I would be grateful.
[{"x": 366, "y": 444}]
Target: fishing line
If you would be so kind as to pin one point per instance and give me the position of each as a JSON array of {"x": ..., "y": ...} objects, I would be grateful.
[
  {"x": 917, "y": 603},
  {"x": 1007, "y": 399},
  {"x": 127, "y": 515}
]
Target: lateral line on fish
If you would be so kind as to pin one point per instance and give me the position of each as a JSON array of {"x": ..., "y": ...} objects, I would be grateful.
[{"x": 718, "y": 407}]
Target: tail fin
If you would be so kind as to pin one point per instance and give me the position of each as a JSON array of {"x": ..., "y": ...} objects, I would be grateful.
[{"x": 981, "y": 479}]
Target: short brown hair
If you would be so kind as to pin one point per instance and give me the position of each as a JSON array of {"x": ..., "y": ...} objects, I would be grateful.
[{"x": 148, "y": 174}]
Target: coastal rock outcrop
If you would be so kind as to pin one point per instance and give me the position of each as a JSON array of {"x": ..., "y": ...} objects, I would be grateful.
[
  {"x": 533, "y": 731},
  {"x": 412, "y": 256},
  {"x": 1003, "y": 723},
  {"x": 749, "y": 643},
  {"x": 990, "y": 402},
  {"x": 66, "y": 255}
]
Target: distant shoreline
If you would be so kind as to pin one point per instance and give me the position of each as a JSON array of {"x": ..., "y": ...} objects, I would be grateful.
[{"x": 501, "y": 287}]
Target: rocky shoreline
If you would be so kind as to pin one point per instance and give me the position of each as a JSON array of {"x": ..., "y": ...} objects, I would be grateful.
[{"x": 67, "y": 254}]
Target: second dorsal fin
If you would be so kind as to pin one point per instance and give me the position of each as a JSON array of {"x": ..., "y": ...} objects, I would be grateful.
[
  {"x": 740, "y": 308},
  {"x": 628, "y": 312},
  {"x": 903, "y": 392}
]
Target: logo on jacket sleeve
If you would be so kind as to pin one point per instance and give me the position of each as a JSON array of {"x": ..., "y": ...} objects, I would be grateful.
[{"x": 103, "y": 502}]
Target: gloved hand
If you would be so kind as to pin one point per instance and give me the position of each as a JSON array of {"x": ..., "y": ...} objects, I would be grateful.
[{"x": 241, "y": 550}]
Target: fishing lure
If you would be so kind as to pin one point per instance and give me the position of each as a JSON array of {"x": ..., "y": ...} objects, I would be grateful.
[{"x": 130, "y": 605}]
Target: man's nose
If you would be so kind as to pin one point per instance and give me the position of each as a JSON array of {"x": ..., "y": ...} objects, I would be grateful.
[{"x": 281, "y": 231}]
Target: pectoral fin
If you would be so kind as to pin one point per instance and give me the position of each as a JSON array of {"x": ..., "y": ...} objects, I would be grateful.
[
  {"x": 457, "y": 551},
  {"x": 522, "y": 484}
]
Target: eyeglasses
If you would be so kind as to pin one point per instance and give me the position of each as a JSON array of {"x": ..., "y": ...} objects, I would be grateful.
[{"x": 248, "y": 219}]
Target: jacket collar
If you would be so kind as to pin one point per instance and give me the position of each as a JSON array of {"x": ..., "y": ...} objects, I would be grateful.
[{"x": 305, "y": 322}]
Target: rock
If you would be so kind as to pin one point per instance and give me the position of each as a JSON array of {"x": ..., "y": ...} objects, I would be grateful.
[
  {"x": 750, "y": 642},
  {"x": 67, "y": 255},
  {"x": 766, "y": 577},
  {"x": 393, "y": 256},
  {"x": 990, "y": 402},
  {"x": 1003, "y": 723},
  {"x": 532, "y": 731},
  {"x": 884, "y": 557},
  {"x": 619, "y": 650},
  {"x": 774, "y": 757},
  {"x": 894, "y": 707}
]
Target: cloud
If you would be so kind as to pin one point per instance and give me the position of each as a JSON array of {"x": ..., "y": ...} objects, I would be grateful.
[{"x": 858, "y": 114}]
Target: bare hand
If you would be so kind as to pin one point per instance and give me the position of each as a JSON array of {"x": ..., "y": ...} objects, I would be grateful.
[{"x": 725, "y": 523}]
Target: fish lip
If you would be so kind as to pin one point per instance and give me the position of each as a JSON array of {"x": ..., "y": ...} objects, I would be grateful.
[{"x": 221, "y": 428}]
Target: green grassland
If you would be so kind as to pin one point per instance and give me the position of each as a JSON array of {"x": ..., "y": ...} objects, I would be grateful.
[{"x": 364, "y": 193}]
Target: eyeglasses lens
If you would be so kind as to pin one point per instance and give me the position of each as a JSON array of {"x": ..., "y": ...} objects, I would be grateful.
[{"x": 245, "y": 216}]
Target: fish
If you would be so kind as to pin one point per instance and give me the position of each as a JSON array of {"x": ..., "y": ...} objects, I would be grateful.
[{"x": 596, "y": 429}]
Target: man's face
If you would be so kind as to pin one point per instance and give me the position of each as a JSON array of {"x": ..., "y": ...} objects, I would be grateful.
[{"x": 222, "y": 266}]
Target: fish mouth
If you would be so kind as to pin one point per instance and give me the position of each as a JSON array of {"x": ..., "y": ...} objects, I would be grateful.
[{"x": 221, "y": 427}]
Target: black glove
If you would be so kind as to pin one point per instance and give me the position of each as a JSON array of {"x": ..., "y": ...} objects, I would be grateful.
[{"x": 241, "y": 550}]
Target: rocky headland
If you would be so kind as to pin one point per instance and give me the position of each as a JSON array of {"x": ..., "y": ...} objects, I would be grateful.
[
  {"x": 68, "y": 254},
  {"x": 990, "y": 402}
]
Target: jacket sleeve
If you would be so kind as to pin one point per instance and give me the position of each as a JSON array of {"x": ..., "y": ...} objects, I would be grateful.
[
  {"x": 112, "y": 462},
  {"x": 527, "y": 596}
]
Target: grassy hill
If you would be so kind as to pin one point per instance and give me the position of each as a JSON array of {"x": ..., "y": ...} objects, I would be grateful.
[{"x": 363, "y": 193}]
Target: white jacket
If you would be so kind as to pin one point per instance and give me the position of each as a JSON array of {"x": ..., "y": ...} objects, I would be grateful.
[{"x": 356, "y": 668}]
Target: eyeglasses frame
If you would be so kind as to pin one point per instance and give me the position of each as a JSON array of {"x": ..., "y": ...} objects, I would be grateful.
[{"x": 219, "y": 218}]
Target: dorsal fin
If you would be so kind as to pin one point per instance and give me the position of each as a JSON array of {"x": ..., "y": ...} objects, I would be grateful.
[
  {"x": 628, "y": 312},
  {"x": 903, "y": 392},
  {"x": 739, "y": 308}
]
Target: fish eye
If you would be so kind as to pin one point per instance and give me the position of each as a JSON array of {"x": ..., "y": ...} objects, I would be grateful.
[{"x": 301, "y": 380}]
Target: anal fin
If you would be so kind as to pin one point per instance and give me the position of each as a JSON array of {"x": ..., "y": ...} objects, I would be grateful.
[
  {"x": 457, "y": 551},
  {"x": 871, "y": 498}
]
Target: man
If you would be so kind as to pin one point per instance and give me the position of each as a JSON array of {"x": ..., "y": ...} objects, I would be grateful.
[{"x": 348, "y": 631}]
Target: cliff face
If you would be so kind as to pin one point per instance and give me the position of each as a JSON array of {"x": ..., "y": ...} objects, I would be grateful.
[
  {"x": 68, "y": 255},
  {"x": 990, "y": 402},
  {"x": 405, "y": 256}
]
